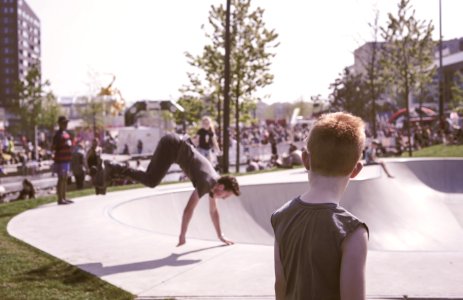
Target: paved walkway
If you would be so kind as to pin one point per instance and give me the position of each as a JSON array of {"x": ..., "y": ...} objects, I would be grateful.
[{"x": 129, "y": 238}]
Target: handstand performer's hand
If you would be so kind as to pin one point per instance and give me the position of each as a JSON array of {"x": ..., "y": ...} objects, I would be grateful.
[
  {"x": 181, "y": 241},
  {"x": 224, "y": 239}
]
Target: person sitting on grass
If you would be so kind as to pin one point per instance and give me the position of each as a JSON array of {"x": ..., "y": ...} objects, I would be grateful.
[{"x": 371, "y": 159}]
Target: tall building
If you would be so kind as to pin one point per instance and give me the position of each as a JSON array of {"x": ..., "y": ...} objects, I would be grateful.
[{"x": 19, "y": 45}]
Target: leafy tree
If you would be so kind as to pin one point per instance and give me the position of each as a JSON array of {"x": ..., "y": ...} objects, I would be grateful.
[
  {"x": 350, "y": 94},
  {"x": 305, "y": 107},
  {"x": 408, "y": 55},
  {"x": 374, "y": 80},
  {"x": 456, "y": 90},
  {"x": 193, "y": 109},
  {"x": 250, "y": 59},
  {"x": 50, "y": 112},
  {"x": 92, "y": 113},
  {"x": 35, "y": 105}
]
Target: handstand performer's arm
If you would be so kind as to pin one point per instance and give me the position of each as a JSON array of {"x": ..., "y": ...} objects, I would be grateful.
[
  {"x": 187, "y": 214},
  {"x": 216, "y": 220}
]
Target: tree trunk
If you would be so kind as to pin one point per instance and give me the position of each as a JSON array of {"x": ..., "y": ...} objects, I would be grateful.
[
  {"x": 237, "y": 120},
  {"x": 226, "y": 92},
  {"x": 407, "y": 118}
]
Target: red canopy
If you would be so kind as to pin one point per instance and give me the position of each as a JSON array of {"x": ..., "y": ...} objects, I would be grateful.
[{"x": 425, "y": 112}]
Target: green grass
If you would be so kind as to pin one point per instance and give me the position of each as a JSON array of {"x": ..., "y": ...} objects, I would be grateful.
[
  {"x": 438, "y": 151},
  {"x": 28, "y": 273}
]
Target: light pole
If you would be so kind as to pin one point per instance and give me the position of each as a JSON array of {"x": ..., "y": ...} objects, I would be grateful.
[
  {"x": 441, "y": 71},
  {"x": 226, "y": 92}
]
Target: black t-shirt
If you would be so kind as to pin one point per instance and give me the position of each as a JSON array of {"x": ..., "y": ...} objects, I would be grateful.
[{"x": 205, "y": 138}]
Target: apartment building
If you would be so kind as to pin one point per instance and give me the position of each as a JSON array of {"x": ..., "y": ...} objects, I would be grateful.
[{"x": 19, "y": 46}]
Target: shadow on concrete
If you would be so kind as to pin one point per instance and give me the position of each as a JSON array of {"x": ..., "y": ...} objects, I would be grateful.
[{"x": 171, "y": 260}]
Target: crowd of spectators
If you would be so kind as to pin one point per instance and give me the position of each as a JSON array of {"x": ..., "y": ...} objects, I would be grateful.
[
  {"x": 269, "y": 135},
  {"x": 394, "y": 141}
]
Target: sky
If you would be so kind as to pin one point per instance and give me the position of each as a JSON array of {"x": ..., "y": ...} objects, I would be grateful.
[{"x": 143, "y": 42}]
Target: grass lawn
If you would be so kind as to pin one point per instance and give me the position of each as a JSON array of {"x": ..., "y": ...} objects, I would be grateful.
[
  {"x": 438, "y": 151},
  {"x": 28, "y": 273}
]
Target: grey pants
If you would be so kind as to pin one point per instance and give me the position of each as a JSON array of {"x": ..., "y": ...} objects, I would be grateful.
[{"x": 163, "y": 157}]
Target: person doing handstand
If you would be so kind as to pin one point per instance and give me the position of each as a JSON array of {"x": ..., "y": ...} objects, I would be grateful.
[{"x": 171, "y": 149}]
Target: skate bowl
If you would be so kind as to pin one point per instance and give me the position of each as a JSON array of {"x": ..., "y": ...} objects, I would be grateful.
[
  {"x": 129, "y": 238},
  {"x": 420, "y": 210}
]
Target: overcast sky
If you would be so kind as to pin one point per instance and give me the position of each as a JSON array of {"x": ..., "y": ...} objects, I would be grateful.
[{"x": 142, "y": 42}]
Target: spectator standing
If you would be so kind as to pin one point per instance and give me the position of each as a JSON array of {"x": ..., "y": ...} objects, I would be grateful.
[
  {"x": 272, "y": 139},
  {"x": 62, "y": 147},
  {"x": 140, "y": 147},
  {"x": 94, "y": 164},
  {"x": 126, "y": 150},
  {"x": 205, "y": 139},
  {"x": 78, "y": 166}
]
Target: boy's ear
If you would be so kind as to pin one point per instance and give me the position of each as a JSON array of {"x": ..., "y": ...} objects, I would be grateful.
[
  {"x": 306, "y": 159},
  {"x": 358, "y": 167}
]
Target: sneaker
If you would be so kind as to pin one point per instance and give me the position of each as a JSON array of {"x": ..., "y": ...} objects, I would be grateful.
[
  {"x": 114, "y": 170},
  {"x": 100, "y": 191},
  {"x": 68, "y": 201},
  {"x": 63, "y": 202}
]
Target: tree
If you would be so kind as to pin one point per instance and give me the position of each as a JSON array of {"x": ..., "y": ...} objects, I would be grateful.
[
  {"x": 92, "y": 113},
  {"x": 350, "y": 94},
  {"x": 408, "y": 55},
  {"x": 250, "y": 59},
  {"x": 50, "y": 112},
  {"x": 35, "y": 105},
  {"x": 456, "y": 90},
  {"x": 373, "y": 80}
]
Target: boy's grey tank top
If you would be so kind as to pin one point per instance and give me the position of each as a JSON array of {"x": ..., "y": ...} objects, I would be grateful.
[{"x": 309, "y": 238}]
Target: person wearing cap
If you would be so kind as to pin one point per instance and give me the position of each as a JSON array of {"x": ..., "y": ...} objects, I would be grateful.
[
  {"x": 62, "y": 149},
  {"x": 371, "y": 159}
]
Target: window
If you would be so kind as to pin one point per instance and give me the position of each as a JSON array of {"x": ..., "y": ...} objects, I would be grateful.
[{"x": 8, "y": 61}]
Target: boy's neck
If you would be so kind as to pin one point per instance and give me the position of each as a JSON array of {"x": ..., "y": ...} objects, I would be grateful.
[{"x": 325, "y": 189}]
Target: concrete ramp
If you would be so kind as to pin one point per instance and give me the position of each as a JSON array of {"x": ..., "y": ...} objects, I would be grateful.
[
  {"x": 129, "y": 238},
  {"x": 419, "y": 210}
]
